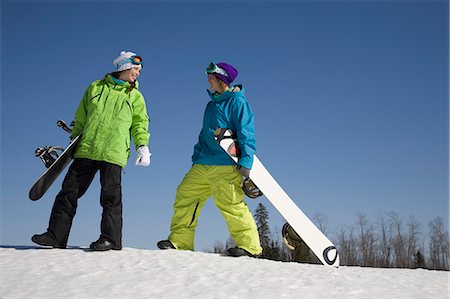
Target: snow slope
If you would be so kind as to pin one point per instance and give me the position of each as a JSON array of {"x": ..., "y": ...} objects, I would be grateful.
[{"x": 30, "y": 272}]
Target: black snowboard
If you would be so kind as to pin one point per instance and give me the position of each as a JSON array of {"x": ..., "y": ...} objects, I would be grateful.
[{"x": 54, "y": 167}]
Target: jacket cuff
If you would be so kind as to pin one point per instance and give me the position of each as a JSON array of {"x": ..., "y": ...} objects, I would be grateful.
[{"x": 246, "y": 162}]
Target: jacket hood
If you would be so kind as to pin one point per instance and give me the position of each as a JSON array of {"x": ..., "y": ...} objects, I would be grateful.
[{"x": 236, "y": 90}]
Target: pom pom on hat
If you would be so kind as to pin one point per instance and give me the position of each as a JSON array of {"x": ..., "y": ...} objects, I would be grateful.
[{"x": 124, "y": 62}]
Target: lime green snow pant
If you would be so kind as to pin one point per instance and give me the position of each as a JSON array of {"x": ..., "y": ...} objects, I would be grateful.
[{"x": 224, "y": 183}]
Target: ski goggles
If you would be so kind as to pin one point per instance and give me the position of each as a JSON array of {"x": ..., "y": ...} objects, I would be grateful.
[
  {"x": 215, "y": 69},
  {"x": 135, "y": 59}
]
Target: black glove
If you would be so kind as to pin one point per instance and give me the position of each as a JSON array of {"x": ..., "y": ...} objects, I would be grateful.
[{"x": 243, "y": 171}]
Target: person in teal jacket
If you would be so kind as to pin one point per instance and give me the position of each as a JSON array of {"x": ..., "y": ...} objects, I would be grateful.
[
  {"x": 110, "y": 110},
  {"x": 214, "y": 173}
]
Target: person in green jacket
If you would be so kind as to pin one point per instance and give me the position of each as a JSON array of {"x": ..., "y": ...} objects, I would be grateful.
[
  {"x": 110, "y": 111},
  {"x": 214, "y": 173}
]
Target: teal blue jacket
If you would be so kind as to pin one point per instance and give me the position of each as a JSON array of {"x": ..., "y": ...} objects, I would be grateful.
[{"x": 232, "y": 111}]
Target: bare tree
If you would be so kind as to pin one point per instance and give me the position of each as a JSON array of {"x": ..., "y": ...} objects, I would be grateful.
[
  {"x": 439, "y": 245},
  {"x": 399, "y": 242},
  {"x": 321, "y": 221},
  {"x": 413, "y": 242},
  {"x": 366, "y": 242},
  {"x": 384, "y": 243},
  {"x": 347, "y": 247}
]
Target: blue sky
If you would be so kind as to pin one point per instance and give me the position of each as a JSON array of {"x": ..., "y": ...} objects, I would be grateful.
[{"x": 350, "y": 102}]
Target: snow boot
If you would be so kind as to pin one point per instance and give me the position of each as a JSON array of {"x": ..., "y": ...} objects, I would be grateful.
[
  {"x": 102, "y": 245},
  {"x": 46, "y": 239},
  {"x": 237, "y": 251},
  {"x": 165, "y": 244}
]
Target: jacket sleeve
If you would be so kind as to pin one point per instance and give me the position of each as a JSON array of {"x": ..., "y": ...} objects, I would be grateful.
[
  {"x": 139, "y": 126},
  {"x": 80, "y": 115},
  {"x": 244, "y": 123}
]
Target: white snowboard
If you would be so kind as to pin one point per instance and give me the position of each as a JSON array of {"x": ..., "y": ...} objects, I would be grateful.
[{"x": 319, "y": 244}]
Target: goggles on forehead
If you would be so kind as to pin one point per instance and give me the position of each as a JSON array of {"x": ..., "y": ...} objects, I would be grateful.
[
  {"x": 214, "y": 68},
  {"x": 135, "y": 59}
]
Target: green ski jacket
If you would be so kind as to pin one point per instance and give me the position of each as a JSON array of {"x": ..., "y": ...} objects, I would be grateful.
[{"x": 108, "y": 115}]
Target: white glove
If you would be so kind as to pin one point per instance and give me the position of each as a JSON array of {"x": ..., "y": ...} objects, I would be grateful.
[{"x": 143, "y": 156}]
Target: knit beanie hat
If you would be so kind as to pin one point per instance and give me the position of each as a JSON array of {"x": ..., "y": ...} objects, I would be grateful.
[
  {"x": 223, "y": 71},
  {"x": 127, "y": 60}
]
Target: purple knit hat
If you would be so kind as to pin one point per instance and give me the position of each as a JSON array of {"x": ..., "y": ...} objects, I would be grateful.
[{"x": 223, "y": 71}]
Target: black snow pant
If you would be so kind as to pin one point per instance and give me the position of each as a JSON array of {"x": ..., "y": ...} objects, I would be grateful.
[{"x": 78, "y": 178}]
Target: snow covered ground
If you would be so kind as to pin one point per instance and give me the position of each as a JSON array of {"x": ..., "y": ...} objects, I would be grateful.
[{"x": 30, "y": 272}]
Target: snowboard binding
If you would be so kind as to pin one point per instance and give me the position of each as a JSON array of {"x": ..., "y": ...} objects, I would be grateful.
[
  {"x": 62, "y": 124},
  {"x": 48, "y": 154},
  {"x": 221, "y": 133},
  {"x": 290, "y": 237},
  {"x": 250, "y": 189}
]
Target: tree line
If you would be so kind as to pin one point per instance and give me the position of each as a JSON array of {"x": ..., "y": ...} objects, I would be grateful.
[{"x": 387, "y": 242}]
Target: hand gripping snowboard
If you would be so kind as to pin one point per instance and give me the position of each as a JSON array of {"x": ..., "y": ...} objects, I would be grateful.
[
  {"x": 319, "y": 244},
  {"x": 54, "y": 162}
]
